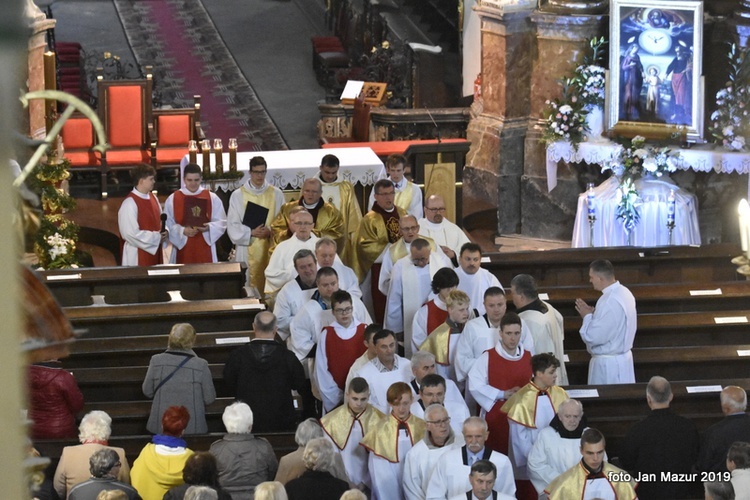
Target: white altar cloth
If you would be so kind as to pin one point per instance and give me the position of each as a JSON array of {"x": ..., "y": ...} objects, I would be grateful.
[
  {"x": 292, "y": 167},
  {"x": 651, "y": 229}
]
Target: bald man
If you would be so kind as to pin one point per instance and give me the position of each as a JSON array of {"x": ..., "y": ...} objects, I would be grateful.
[
  {"x": 446, "y": 234},
  {"x": 735, "y": 426},
  {"x": 281, "y": 265}
]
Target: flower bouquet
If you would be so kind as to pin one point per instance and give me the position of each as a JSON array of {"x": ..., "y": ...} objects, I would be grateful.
[
  {"x": 590, "y": 77},
  {"x": 730, "y": 123},
  {"x": 565, "y": 117}
]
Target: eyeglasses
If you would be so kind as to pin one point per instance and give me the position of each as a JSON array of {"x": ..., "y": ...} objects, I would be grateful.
[
  {"x": 436, "y": 209},
  {"x": 410, "y": 229},
  {"x": 344, "y": 310},
  {"x": 444, "y": 421},
  {"x": 305, "y": 223},
  {"x": 259, "y": 172}
]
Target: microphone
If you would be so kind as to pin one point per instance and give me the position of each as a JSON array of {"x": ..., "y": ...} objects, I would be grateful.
[
  {"x": 163, "y": 223},
  {"x": 437, "y": 129}
]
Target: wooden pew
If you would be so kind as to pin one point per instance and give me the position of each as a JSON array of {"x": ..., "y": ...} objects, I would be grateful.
[
  {"x": 157, "y": 318},
  {"x": 675, "y": 264},
  {"x": 131, "y": 285}
]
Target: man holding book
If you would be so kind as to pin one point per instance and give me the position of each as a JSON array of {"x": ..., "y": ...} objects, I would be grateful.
[{"x": 195, "y": 219}]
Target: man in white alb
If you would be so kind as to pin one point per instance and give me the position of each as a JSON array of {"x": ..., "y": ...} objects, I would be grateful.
[
  {"x": 280, "y": 267},
  {"x": 449, "y": 236},
  {"x": 296, "y": 292},
  {"x": 408, "y": 194},
  {"x": 432, "y": 391},
  {"x": 472, "y": 279},
  {"x": 384, "y": 369},
  {"x": 326, "y": 254}
]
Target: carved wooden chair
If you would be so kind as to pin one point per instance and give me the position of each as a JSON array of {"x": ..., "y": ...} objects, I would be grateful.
[
  {"x": 125, "y": 112},
  {"x": 174, "y": 128},
  {"x": 360, "y": 131},
  {"x": 78, "y": 139}
]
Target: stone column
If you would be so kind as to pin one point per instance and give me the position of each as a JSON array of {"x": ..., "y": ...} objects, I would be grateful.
[
  {"x": 39, "y": 25},
  {"x": 561, "y": 42},
  {"x": 492, "y": 177}
]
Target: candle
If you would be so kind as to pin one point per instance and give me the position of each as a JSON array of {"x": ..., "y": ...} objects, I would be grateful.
[
  {"x": 590, "y": 200},
  {"x": 193, "y": 151},
  {"x": 206, "y": 150},
  {"x": 232, "y": 154},
  {"x": 219, "y": 151},
  {"x": 670, "y": 208},
  {"x": 744, "y": 213}
]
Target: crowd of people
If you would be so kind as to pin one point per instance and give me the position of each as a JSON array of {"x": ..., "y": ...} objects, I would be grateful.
[{"x": 414, "y": 379}]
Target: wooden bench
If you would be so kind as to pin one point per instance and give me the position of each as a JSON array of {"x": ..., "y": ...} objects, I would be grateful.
[
  {"x": 570, "y": 266},
  {"x": 157, "y": 318},
  {"x": 131, "y": 285}
]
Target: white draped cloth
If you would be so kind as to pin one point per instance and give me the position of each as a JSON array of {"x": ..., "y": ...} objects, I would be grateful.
[
  {"x": 387, "y": 476},
  {"x": 236, "y": 230},
  {"x": 457, "y": 411},
  {"x": 548, "y": 334},
  {"x": 474, "y": 285},
  {"x": 379, "y": 382},
  {"x": 280, "y": 269},
  {"x": 133, "y": 236},
  {"x": 609, "y": 334},
  {"x": 550, "y": 456},
  {"x": 420, "y": 462},
  {"x": 478, "y": 336},
  {"x": 450, "y": 476},
  {"x": 445, "y": 234},
  {"x": 289, "y": 301},
  {"x": 216, "y": 226},
  {"x": 651, "y": 229},
  {"x": 522, "y": 438},
  {"x": 330, "y": 392}
]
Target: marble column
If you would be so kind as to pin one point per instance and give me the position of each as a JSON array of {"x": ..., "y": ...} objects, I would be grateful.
[
  {"x": 39, "y": 24},
  {"x": 491, "y": 180},
  {"x": 561, "y": 43}
]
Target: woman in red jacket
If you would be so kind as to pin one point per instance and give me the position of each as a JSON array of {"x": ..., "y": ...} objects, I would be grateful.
[{"x": 54, "y": 400}]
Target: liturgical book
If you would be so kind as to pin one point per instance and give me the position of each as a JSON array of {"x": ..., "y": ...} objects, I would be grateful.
[{"x": 255, "y": 215}]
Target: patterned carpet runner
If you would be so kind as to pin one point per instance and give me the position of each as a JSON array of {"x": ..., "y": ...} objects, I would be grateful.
[{"x": 179, "y": 39}]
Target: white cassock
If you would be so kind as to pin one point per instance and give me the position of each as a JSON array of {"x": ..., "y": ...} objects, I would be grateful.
[
  {"x": 450, "y": 476},
  {"x": 409, "y": 289},
  {"x": 131, "y": 233},
  {"x": 609, "y": 334},
  {"x": 550, "y": 456},
  {"x": 387, "y": 476},
  {"x": 420, "y": 461},
  {"x": 445, "y": 234},
  {"x": 306, "y": 326},
  {"x": 474, "y": 285},
  {"x": 415, "y": 207},
  {"x": 347, "y": 279},
  {"x": 379, "y": 382},
  {"x": 419, "y": 331},
  {"x": 236, "y": 230},
  {"x": 478, "y": 336},
  {"x": 217, "y": 226},
  {"x": 358, "y": 364},
  {"x": 457, "y": 411},
  {"x": 289, "y": 301},
  {"x": 280, "y": 269},
  {"x": 522, "y": 438},
  {"x": 452, "y": 392},
  {"x": 330, "y": 392},
  {"x": 548, "y": 334},
  {"x": 354, "y": 456},
  {"x": 386, "y": 267}
]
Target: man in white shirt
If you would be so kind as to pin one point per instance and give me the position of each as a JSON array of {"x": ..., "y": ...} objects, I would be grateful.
[
  {"x": 326, "y": 254},
  {"x": 408, "y": 194},
  {"x": 472, "y": 279},
  {"x": 384, "y": 369},
  {"x": 410, "y": 288},
  {"x": 450, "y": 476},
  {"x": 280, "y": 266},
  {"x": 449, "y": 236},
  {"x": 609, "y": 329},
  {"x": 252, "y": 244},
  {"x": 296, "y": 292},
  {"x": 438, "y": 439},
  {"x": 194, "y": 244},
  {"x": 139, "y": 221},
  {"x": 543, "y": 320},
  {"x": 432, "y": 391}
]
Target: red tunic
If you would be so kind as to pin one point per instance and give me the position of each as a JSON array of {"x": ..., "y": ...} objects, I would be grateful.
[
  {"x": 342, "y": 353},
  {"x": 196, "y": 250},
  {"x": 504, "y": 374},
  {"x": 435, "y": 316},
  {"x": 149, "y": 219}
]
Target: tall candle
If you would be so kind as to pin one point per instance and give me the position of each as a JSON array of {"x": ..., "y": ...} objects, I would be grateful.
[
  {"x": 744, "y": 212},
  {"x": 219, "y": 152},
  {"x": 590, "y": 200},
  {"x": 206, "y": 151},
  {"x": 232, "y": 154},
  {"x": 670, "y": 208},
  {"x": 193, "y": 151}
]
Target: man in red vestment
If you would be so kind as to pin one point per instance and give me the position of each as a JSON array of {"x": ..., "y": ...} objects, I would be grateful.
[
  {"x": 139, "y": 220},
  {"x": 497, "y": 374}
]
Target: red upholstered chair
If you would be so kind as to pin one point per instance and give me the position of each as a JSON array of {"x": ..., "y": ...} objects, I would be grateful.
[
  {"x": 125, "y": 112},
  {"x": 78, "y": 138},
  {"x": 173, "y": 129}
]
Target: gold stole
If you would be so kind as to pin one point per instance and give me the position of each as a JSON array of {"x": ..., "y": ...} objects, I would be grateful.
[
  {"x": 338, "y": 424},
  {"x": 398, "y": 249},
  {"x": 372, "y": 238},
  {"x": 571, "y": 484},
  {"x": 438, "y": 343},
  {"x": 258, "y": 252},
  {"x": 346, "y": 203},
  {"x": 521, "y": 407},
  {"x": 403, "y": 197},
  {"x": 383, "y": 440}
]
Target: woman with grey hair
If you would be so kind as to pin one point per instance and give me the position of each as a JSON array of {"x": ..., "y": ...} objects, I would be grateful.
[
  {"x": 73, "y": 468},
  {"x": 201, "y": 493},
  {"x": 270, "y": 490},
  {"x": 292, "y": 466},
  {"x": 317, "y": 483},
  {"x": 178, "y": 377},
  {"x": 244, "y": 460}
]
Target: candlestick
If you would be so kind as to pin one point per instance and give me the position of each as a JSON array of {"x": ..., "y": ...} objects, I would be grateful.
[
  {"x": 670, "y": 215},
  {"x": 232, "y": 154},
  {"x": 219, "y": 152},
  {"x": 193, "y": 151},
  {"x": 206, "y": 150},
  {"x": 591, "y": 211}
]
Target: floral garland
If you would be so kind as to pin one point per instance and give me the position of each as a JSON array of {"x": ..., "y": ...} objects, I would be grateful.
[
  {"x": 730, "y": 124},
  {"x": 630, "y": 164}
]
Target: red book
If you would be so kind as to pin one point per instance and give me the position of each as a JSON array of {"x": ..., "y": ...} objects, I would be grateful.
[{"x": 194, "y": 211}]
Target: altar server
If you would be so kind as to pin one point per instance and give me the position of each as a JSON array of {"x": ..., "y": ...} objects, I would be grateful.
[
  {"x": 139, "y": 221},
  {"x": 472, "y": 279},
  {"x": 434, "y": 312},
  {"x": 442, "y": 341}
]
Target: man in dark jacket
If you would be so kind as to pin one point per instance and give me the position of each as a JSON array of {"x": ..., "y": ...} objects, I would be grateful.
[
  {"x": 263, "y": 374},
  {"x": 735, "y": 426}
]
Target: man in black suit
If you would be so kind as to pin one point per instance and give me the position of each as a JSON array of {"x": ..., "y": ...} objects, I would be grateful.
[
  {"x": 662, "y": 442},
  {"x": 735, "y": 426}
]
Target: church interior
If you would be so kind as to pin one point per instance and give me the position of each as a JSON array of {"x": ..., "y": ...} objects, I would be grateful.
[{"x": 489, "y": 101}]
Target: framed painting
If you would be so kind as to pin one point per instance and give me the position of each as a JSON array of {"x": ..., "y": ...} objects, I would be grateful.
[{"x": 655, "y": 86}]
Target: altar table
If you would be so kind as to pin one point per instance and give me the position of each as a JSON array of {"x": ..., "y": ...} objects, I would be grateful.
[{"x": 651, "y": 229}]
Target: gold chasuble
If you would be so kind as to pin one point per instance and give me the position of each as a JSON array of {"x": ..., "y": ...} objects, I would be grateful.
[
  {"x": 327, "y": 222},
  {"x": 373, "y": 236},
  {"x": 383, "y": 439},
  {"x": 572, "y": 483},
  {"x": 521, "y": 407},
  {"x": 398, "y": 250},
  {"x": 338, "y": 424},
  {"x": 258, "y": 253},
  {"x": 404, "y": 197},
  {"x": 438, "y": 343},
  {"x": 346, "y": 203}
]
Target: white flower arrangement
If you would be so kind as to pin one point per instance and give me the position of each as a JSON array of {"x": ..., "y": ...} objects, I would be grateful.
[{"x": 730, "y": 123}]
